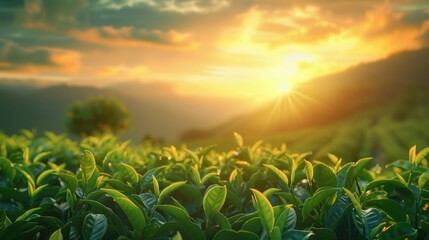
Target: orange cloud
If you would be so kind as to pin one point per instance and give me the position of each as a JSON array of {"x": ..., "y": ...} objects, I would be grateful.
[
  {"x": 14, "y": 57},
  {"x": 301, "y": 43},
  {"x": 134, "y": 37}
]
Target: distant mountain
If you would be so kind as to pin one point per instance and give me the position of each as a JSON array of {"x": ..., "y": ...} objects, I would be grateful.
[
  {"x": 22, "y": 86},
  {"x": 201, "y": 110},
  {"x": 156, "y": 110},
  {"x": 402, "y": 79}
]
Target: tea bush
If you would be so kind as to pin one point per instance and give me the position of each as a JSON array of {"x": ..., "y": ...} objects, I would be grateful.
[{"x": 52, "y": 187}]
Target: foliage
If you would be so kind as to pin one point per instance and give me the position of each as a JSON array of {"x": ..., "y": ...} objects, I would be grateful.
[
  {"x": 99, "y": 188},
  {"x": 97, "y": 115}
]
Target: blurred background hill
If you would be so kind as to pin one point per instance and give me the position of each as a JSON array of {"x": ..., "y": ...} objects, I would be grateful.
[
  {"x": 374, "y": 109},
  {"x": 154, "y": 112},
  {"x": 378, "y": 109}
]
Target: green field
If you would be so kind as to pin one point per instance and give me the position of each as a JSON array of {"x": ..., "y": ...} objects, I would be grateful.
[
  {"x": 374, "y": 133},
  {"x": 98, "y": 188}
]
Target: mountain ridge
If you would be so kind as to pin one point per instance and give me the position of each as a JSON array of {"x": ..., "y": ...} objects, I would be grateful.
[{"x": 333, "y": 97}]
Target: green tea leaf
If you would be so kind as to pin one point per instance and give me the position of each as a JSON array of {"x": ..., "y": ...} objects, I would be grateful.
[
  {"x": 26, "y": 156},
  {"x": 253, "y": 225},
  {"x": 98, "y": 207},
  {"x": 196, "y": 175},
  {"x": 282, "y": 218},
  {"x": 337, "y": 211},
  {"x": 275, "y": 234},
  {"x": 69, "y": 179},
  {"x": 133, "y": 212},
  {"x": 238, "y": 139},
  {"x": 367, "y": 221},
  {"x": 193, "y": 231},
  {"x": 321, "y": 195},
  {"x": 25, "y": 215},
  {"x": 423, "y": 179},
  {"x": 209, "y": 176},
  {"x": 222, "y": 221},
  {"x": 170, "y": 189},
  {"x": 87, "y": 164},
  {"x": 291, "y": 220},
  {"x": 421, "y": 155},
  {"x": 94, "y": 226},
  {"x": 118, "y": 185},
  {"x": 296, "y": 235},
  {"x": 205, "y": 150},
  {"x": 301, "y": 157},
  {"x": 323, "y": 233},
  {"x": 129, "y": 173},
  {"x": 309, "y": 172},
  {"x": 400, "y": 188},
  {"x": 412, "y": 154},
  {"x": 57, "y": 235},
  {"x": 279, "y": 173},
  {"x": 28, "y": 175},
  {"x": 40, "y": 156},
  {"x": 214, "y": 200},
  {"x": 226, "y": 234},
  {"x": 271, "y": 191},
  {"x": 4, "y": 220},
  {"x": 265, "y": 210},
  {"x": 387, "y": 182},
  {"x": 178, "y": 236},
  {"x": 7, "y": 167},
  {"x": 324, "y": 176},
  {"x": 354, "y": 201},
  {"x": 155, "y": 186},
  {"x": 44, "y": 176},
  {"x": 38, "y": 190},
  {"x": 400, "y": 230},
  {"x": 193, "y": 156},
  {"x": 354, "y": 171},
  {"x": 389, "y": 206},
  {"x": 20, "y": 230}
]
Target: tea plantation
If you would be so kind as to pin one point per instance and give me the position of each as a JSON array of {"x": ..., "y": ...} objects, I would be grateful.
[{"x": 53, "y": 187}]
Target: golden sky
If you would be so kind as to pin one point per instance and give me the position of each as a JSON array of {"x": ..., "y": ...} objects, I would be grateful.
[{"x": 246, "y": 49}]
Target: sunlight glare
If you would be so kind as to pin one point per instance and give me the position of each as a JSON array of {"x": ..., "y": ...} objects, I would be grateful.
[
  {"x": 285, "y": 88},
  {"x": 294, "y": 58}
]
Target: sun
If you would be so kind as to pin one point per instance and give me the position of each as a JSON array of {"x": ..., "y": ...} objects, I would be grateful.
[{"x": 285, "y": 88}]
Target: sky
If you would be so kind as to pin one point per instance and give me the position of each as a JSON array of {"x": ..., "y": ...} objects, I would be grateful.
[{"x": 247, "y": 49}]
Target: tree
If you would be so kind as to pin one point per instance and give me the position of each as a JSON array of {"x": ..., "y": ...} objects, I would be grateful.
[{"x": 96, "y": 116}]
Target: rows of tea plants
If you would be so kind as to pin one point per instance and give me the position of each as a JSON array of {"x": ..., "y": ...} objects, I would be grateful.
[{"x": 52, "y": 187}]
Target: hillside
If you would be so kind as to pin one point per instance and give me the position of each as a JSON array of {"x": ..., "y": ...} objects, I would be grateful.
[
  {"x": 323, "y": 100},
  {"x": 152, "y": 114},
  {"x": 369, "y": 109}
]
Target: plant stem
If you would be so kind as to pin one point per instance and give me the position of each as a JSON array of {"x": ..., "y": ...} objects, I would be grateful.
[{"x": 358, "y": 187}]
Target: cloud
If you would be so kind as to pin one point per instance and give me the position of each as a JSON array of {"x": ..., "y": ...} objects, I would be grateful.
[
  {"x": 284, "y": 27},
  {"x": 278, "y": 38},
  {"x": 52, "y": 14},
  {"x": 179, "y": 6},
  {"x": 14, "y": 57},
  {"x": 314, "y": 33},
  {"x": 135, "y": 72},
  {"x": 314, "y": 22},
  {"x": 387, "y": 20},
  {"x": 393, "y": 28},
  {"x": 134, "y": 37}
]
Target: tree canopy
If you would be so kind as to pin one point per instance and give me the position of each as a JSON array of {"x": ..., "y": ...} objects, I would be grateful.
[{"x": 97, "y": 115}]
